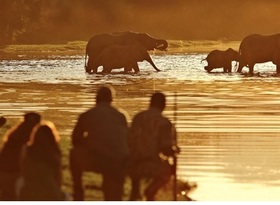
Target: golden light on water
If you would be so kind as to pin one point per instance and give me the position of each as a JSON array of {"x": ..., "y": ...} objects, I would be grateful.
[{"x": 227, "y": 163}]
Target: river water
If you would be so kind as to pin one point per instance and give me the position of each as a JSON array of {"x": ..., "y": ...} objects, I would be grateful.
[{"x": 228, "y": 124}]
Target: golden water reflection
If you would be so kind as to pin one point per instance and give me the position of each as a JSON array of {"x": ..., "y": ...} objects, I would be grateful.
[{"x": 228, "y": 131}]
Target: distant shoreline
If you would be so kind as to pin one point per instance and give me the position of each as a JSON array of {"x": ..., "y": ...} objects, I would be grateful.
[{"x": 50, "y": 51}]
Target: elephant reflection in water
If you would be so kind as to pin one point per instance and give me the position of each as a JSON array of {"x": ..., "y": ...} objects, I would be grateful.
[
  {"x": 256, "y": 48},
  {"x": 120, "y": 56},
  {"x": 98, "y": 43},
  {"x": 221, "y": 59}
]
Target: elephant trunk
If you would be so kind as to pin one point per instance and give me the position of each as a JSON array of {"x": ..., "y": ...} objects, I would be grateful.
[
  {"x": 152, "y": 63},
  {"x": 92, "y": 65},
  {"x": 161, "y": 44}
]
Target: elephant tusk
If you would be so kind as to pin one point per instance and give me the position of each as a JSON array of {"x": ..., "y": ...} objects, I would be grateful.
[{"x": 160, "y": 46}]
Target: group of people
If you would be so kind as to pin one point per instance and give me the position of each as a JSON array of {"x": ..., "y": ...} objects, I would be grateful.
[
  {"x": 30, "y": 161},
  {"x": 103, "y": 142}
]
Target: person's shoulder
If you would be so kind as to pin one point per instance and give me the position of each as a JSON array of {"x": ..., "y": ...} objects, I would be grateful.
[
  {"x": 87, "y": 112},
  {"x": 123, "y": 113},
  {"x": 141, "y": 114},
  {"x": 166, "y": 121}
]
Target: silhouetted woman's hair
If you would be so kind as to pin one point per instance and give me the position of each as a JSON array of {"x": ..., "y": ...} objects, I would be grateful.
[
  {"x": 41, "y": 165},
  {"x": 43, "y": 144}
]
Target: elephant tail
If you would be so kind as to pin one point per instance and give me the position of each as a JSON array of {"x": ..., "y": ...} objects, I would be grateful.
[
  {"x": 235, "y": 66},
  {"x": 86, "y": 60},
  {"x": 203, "y": 60}
]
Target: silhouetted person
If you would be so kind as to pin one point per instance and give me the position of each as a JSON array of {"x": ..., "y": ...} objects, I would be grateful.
[
  {"x": 150, "y": 139},
  {"x": 41, "y": 165},
  {"x": 100, "y": 145},
  {"x": 2, "y": 121},
  {"x": 14, "y": 139}
]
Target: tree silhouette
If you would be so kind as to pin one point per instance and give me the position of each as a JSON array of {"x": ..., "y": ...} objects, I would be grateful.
[{"x": 51, "y": 21}]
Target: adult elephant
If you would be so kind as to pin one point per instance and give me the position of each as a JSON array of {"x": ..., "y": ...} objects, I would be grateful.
[
  {"x": 98, "y": 42},
  {"x": 120, "y": 56},
  {"x": 257, "y": 48}
]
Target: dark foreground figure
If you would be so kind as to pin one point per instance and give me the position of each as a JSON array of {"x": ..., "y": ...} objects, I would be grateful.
[
  {"x": 41, "y": 166},
  {"x": 151, "y": 139},
  {"x": 14, "y": 140},
  {"x": 100, "y": 145}
]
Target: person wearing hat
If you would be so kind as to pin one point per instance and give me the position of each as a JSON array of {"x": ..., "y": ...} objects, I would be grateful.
[
  {"x": 10, "y": 153},
  {"x": 100, "y": 144}
]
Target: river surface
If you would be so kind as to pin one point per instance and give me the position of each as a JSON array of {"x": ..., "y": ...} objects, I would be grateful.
[{"x": 228, "y": 124}]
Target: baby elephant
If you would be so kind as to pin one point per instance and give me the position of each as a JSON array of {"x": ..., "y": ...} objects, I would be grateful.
[
  {"x": 221, "y": 59},
  {"x": 120, "y": 56}
]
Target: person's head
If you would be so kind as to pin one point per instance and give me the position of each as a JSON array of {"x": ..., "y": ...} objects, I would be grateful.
[
  {"x": 44, "y": 134},
  {"x": 32, "y": 118},
  {"x": 20, "y": 133},
  {"x": 105, "y": 94},
  {"x": 44, "y": 144},
  {"x": 158, "y": 101}
]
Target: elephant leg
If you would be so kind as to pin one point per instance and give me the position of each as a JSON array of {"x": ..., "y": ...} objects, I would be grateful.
[
  {"x": 278, "y": 69},
  {"x": 136, "y": 68},
  {"x": 127, "y": 69},
  {"x": 106, "y": 70},
  {"x": 240, "y": 66},
  {"x": 90, "y": 68},
  {"x": 76, "y": 169},
  {"x": 94, "y": 70},
  {"x": 135, "y": 189},
  {"x": 89, "y": 63},
  {"x": 227, "y": 68},
  {"x": 209, "y": 68},
  {"x": 251, "y": 69}
]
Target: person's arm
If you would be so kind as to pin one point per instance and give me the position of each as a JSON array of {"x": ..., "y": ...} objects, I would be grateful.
[
  {"x": 78, "y": 132},
  {"x": 166, "y": 138}
]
